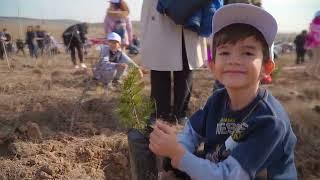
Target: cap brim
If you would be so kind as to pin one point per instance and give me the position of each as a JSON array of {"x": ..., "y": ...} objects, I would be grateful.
[
  {"x": 113, "y": 39},
  {"x": 246, "y": 14}
]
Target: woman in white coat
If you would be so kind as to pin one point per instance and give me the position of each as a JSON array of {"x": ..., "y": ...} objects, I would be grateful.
[{"x": 169, "y": 49}]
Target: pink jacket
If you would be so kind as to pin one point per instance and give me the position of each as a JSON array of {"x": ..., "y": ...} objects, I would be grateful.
[
  {"x": 109, "y": 25},
  {"x": 313, "y": 37}
]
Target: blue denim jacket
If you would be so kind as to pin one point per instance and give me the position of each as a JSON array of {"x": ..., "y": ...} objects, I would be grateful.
[
  {"x": 201, "y": 21},
  {"x": 239, "y": 144}
]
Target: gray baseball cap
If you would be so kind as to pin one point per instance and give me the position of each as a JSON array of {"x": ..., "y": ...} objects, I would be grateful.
[{"x": 247, "y": 14}]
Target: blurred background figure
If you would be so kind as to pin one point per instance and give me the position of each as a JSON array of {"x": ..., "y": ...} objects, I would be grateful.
[
  {"x": 299, "y": 41},
  {"x": 20, "y": 46},
  {"x": 2, "y": 46},
  {"x": 117, "y": 20},
  {"x": 40, "y": 39},
  {"x": 313, "y": 44},
  {"x": 74, "y": 38},
  {"x": 134, "y": 48},
  {"x": 31, "y": 42},
  {"x": 51, "y": 46},
  {"x": 8, "y": 41}
]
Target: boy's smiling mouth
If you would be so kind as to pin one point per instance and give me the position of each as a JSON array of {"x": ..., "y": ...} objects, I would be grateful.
[{"x": 234, "y": 72}]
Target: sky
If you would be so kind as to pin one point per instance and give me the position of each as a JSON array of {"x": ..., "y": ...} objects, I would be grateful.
[{"x": 292, "y": 15}]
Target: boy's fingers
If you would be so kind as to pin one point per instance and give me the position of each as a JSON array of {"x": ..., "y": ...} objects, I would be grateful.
[
  {"x": 154, "y": 147},
  {"x": 151, "y": 147},
  {"x": 154, "y": 135},
  {"x": 152, "y": 143},
  {"x": 165, "y": 128},
  {"x": 158, "y": 132}
]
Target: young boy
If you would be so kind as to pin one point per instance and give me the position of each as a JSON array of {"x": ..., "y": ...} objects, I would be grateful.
[
  {"x": 113, "y": 62},
  {"x": 245, "y": 130}
]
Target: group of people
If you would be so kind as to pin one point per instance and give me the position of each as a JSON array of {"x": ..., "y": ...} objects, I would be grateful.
[
  {"x": 37, "y": 40},
  {"x": 312, "y": 44},
  {"x": 116, "y": 25},
  {"x": 309, "y": 42}
]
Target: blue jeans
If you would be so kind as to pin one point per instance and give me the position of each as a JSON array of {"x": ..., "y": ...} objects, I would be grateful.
[{"x": 33, "y": 49}]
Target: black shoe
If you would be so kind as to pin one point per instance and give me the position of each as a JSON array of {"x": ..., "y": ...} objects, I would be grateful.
[
  {"x": 116, "y": 83},
  {"x": 166, "y": 165}
]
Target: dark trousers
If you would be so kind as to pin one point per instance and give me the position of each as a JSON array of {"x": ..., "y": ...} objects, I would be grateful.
[
  {"x": 41, "y": 46},
  {"x": 1, "y": 50},
  {"x": 21, "y": 49},
  {"x": 300, "y": 56},
  {"x": 33, "y": 50},
  {"x": 182, "y": 86},
  {"x": 73, "y": 47}
]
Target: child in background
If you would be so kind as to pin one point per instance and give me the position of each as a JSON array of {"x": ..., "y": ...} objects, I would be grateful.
[{"x": 113, "y": 62}]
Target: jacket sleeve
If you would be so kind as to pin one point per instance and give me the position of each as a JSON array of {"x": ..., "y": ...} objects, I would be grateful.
[
  {"x": 192, "y": 134},
  {"x": 103, "y": 52},
  {"x": 107, "y": 25},
  {"x": 189, "y": 138},
  {"x": 263, "y": 146},
  {"x": 198, "y": 168},
  {"x": 202, "y": 169},
  {"x": 126, "y": 59},
  {"x": 145, "y": 16},
  {"x": 129, "y": 29},
  {"x": 83, "y": 37}
]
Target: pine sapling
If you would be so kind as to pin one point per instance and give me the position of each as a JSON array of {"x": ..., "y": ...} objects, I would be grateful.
[{"x": 134, "y": 107}]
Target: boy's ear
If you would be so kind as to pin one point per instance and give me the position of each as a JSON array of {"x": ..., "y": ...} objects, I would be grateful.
[{"x": 268, "y": 67}]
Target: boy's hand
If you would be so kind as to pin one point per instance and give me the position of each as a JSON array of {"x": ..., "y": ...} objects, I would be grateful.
[
  {"x": 122, "y": 65},
  {"x": 144, "y": 70},
  {"x": 163, "y": 142},
  {"x": 140, "y": 73}
]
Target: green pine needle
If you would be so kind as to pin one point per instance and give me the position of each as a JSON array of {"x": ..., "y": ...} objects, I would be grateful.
[{"x": 134, "y": 107}]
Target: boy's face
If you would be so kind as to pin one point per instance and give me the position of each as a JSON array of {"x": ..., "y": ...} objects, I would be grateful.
[
  {"x": 114, "y": 45},
  {"x": 239, "y": 65}
]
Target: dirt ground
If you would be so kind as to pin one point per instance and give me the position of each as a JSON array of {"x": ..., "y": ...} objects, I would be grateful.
[{"x": 50, "y": 129}]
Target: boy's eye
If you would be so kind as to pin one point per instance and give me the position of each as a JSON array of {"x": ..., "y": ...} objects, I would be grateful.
[
  {"x": 224, "y": 53},
  {"x": 248, "y": 53}
]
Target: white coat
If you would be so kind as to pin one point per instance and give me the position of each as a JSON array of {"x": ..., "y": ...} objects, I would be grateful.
[{"x": 161, "y": 48}]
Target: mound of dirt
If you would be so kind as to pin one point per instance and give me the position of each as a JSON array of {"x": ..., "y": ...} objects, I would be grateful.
[{"x": 64, "y": 157}]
